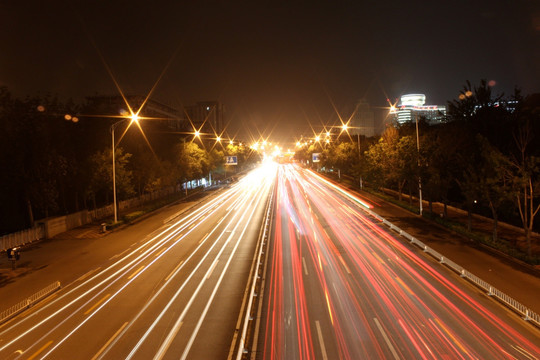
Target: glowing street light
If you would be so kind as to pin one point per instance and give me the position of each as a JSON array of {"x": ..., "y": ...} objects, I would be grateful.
[{"x": 133, "y": 118}]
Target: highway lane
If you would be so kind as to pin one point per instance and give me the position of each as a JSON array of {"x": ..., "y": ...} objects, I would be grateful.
[
  {"x": 175, "y": 293},
  {"x": 339, "y": 285}
]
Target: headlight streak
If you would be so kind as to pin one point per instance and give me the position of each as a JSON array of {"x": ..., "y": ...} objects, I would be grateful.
[
  {"x": 223, "y": 272},
  {"x": 409, "y": 306},
  {"x": 132, "y": 279},
  {"x": 172, "y": 333},
  {"x": 126, "y": 268},
  {"x": 171, "y": 302}
]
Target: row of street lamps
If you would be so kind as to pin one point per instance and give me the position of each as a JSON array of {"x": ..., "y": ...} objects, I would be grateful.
[
  {"x": 345, "y": 128},
  {"x": 134, "y": 118}
]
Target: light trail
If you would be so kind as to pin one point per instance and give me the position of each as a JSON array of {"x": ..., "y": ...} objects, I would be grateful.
[
  {"x": 168, "y": 237},
  {"x": 382, "y": 298}
]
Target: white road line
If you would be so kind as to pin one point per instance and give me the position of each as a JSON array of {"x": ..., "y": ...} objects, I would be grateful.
[
  {"x": 212, "y": 269},
  {"x": 168, "y": 342},
  {"x": 109, "y": 342},
  {"x": 305, "y": 266},
  {"x": 386, "y": 339},
  {"x": 321, "y": 340},
  {"x": 172, "y": 272}
]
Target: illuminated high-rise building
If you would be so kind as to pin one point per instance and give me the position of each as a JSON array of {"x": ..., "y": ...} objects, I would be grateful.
[{"x": 412, "y": 107}]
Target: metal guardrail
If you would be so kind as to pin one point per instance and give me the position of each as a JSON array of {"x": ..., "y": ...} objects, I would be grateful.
[
  {"x": 528, "y": 314},
  {"x": 249, "y": 314},
  {"x": 28, "y": 302}
]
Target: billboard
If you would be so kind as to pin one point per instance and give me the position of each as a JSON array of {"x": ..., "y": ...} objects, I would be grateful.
[{"x": 316, "y": 157}]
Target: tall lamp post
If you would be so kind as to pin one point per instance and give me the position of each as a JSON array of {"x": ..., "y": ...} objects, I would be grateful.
[
  {"x": 419, "y": 177},
  {"x": 133, "y": 118}
]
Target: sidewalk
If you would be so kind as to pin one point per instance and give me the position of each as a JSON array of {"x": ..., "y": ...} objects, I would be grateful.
[{"x": 480, "y": 224}]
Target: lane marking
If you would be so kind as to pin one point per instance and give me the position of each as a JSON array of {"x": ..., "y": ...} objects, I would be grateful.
[
  {"x": 166, "y": 345},
  {"x": 321, "y": 341},
  {"x": 204, "y": 238},
  {"x": 109, "y": 342},
  {"x": 172, "y": 272},
  {"x": 345, "y": 265},
  {"x": 136, "y": 272},
  {"x": 386, "y": 339},
  {"x": 305, "y": 266},
  {"x": 378, "y": 258},
  {"x": 447, "y": 331},
  {"x": 404, "y": 286},
  {"x": 118, "y": 255},
  {"x": 159, "y": 252},
  {"x": 97, "y": 304},
  {"x": 212, "y": 269},
  {"x": 40, "y": 350},
  {"x": 88, "y": 274}
]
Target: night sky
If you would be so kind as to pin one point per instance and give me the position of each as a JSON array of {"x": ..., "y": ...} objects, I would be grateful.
[{"x": 275, "y": 65}]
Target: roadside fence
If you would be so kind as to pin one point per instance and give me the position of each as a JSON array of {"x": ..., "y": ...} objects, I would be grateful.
[
  {"x": 528, "y": 314},
  {"x": 21, "y": 237},
  {"x": 28, "y": 302}
]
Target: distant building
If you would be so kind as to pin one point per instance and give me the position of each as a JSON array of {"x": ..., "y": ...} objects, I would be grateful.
[
  {"x": 207, "y": 116},
  {"x": 162, "y": 115},
  {"x": 362, "y": 121},
  {"x": 412, "y": 107}
]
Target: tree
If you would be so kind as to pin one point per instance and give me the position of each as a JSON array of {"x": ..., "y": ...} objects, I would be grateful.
[
  {"x": 192, "y": 162},
  {"x": 101, "y": 179},
  {"x": 342, "y": 156},
  {"x": 526, "y": 177},
  {"x": 393, "y": 159},
  {"x": 489, "y": 179}
]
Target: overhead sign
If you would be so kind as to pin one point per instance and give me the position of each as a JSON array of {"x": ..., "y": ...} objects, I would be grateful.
[
  {"x": 231, "y": 160},
  {"x": 316, "y": 157}
]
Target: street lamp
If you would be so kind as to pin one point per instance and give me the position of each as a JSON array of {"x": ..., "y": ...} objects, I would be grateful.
[
  {"x": 133, "y": 118},
  {"x": 419, "y": 177}
]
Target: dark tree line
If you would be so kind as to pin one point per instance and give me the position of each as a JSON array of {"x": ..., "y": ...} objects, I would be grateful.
[
  {"x": 485, "y": 157},
  {"x": 52, "y": 164}
]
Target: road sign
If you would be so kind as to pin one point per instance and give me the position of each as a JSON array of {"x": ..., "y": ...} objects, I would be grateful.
[
  {"x": 231, "y": 160},
  {"x": 315, "y": 157}
]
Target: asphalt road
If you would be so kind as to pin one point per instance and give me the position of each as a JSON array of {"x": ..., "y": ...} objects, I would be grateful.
[
  {"x": 340, "y": 286},
  {"x": 175, "y": 292}
]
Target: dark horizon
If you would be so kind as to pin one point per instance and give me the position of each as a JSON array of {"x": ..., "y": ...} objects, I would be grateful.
[{"x": 276, "y": 67}]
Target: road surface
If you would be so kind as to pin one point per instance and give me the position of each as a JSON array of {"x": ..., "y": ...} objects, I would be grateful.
[
  {"x": 174, "y": 294},
  {"x": 340, "y": 286}
]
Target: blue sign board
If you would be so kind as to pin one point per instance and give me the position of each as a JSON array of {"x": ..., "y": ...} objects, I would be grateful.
[
  {"x": 231, "y": 160},
  {"x": 316, "y": 157}
]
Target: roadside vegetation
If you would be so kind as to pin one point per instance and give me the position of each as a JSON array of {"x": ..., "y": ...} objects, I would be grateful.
[
  {"x": 484, "y": 159},
  {"x": 56, "y": 159}
]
